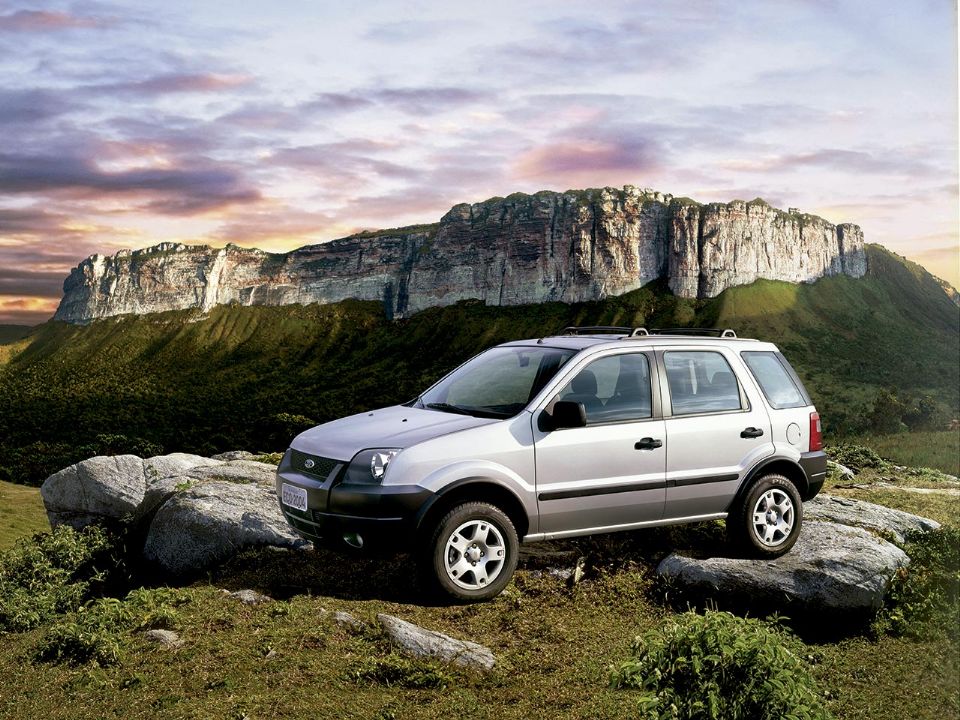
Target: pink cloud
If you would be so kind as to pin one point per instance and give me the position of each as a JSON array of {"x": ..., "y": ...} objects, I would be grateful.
[{"x": 44, "y": 21}]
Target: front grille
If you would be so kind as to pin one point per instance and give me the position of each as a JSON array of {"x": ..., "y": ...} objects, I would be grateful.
[{"x": 322, "y": 467}]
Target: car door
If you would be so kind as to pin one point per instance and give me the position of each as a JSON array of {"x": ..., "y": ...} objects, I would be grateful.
[
  {"x": 717, "y": 428},
  {"x": 610, "y": 472}
]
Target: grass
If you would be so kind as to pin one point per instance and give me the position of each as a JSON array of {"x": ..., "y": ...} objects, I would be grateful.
[
  {"x": 934, "y": 449},
  {"x": 21, "y": 513},
  {"x": 554, "y": 647}
]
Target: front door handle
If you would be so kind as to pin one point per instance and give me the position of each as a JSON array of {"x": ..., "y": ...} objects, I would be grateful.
[
  {"x": 751, "y": 432},
  {"x": 648, "y": 443}
]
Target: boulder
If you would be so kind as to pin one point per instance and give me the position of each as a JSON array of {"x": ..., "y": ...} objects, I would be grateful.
[
  {"x": 415, "y": 640},
  {"x": 239, "y": 471},
  {"x": 204, "y": 525},
  {"x": 234, "y": 455},
  {"x": 832, "y": 569},
  {"x": 847, "y": 511},
  {"x": 101, "y": 489},
  {"x": 161, "y": 466}
]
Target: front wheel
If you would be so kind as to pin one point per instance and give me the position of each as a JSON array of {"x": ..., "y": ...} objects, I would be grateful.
[
  {"x": 766, "y": 521},
  {"x": 472, "y": 553}
]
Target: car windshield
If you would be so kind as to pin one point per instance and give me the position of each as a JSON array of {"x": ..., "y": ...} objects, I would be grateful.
[{"x": 498, "y": 383}]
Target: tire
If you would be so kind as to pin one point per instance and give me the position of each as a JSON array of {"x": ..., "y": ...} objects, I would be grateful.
[
  {"x": 767, "y": 519},
  {"x": 471, "y": 553}
]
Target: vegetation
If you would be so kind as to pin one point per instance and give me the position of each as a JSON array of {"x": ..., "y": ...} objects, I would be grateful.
[
  {"x": 53, "y": 573},
  {"x": 252, "y": 377},
  {"x": 717, "y": 665},
  {"x": 934, "y": 449},
  {"x": 924, "y": 601}
]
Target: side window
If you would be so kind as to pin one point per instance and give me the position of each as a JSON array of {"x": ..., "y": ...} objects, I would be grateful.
[
  {"x": 612, "y": 389},
  {"x": 701, "y": 382},
  {"x": 777, "y": 385}
]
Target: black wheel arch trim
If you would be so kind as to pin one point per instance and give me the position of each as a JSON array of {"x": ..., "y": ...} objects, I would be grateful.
[
  {"x": 757, "y": 469},
  {"x": 444, "y": 493}
]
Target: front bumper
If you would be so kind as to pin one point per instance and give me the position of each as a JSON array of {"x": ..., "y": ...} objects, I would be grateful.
[
  {"x": 381, "y": 514},
  {"x": 814, "y": 466}
]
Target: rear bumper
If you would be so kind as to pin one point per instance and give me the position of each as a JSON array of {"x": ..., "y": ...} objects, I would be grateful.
[{"x": 814, "y": 466}]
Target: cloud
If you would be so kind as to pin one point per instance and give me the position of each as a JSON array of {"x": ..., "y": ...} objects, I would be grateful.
[
  {"x": 170, "y": 191},
  {"x": 890, "y": 162},
  {"x": 38, "y": 21},
  {"x": 26, "y": 310},
  {"x": 595, "y": 160},
  {"x": 404, "y": 31},
  {"x": 410, "y": 100},
  {"x": 173, "y": 83},
  {"x": 19, "y": 107},
  {"x": 45, "y": 284}
]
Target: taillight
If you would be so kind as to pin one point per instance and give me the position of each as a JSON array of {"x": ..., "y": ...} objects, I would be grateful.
[{"x": 816, "y": 436}]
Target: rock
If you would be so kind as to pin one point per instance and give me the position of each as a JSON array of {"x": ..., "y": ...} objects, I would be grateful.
[
  {"x": 239, "y": 471},
  {"x": 234, "y": 455},
  {"x": 415, "y": 640},
  {"x": 167, "y": 638},
  {"x": 858, "y": 513},
  {"x": 845, "y": 472},
  {"x": 579, "y": 571},
  {"x": 833, "y": 569},
  {"x": 569, "y": 247},
  {"x": 346, "y": 621},
  {"x": 95, "y": 490},
  {"x": 249, "y": 597},
  {"x": 204, "y": 525},
  {"x": 161, "y": 466}
]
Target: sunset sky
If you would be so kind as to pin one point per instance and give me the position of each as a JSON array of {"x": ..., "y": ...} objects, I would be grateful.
[{"x": 281, "y": 124}]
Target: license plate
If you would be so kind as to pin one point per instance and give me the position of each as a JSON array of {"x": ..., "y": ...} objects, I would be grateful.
[{"x": 294, "y": 497}]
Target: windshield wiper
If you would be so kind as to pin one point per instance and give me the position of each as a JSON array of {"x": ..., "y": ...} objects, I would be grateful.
[{"x": 447, "y": 407}]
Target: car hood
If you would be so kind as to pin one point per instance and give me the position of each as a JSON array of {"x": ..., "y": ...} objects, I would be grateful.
[{"x": 392, "y": 427}]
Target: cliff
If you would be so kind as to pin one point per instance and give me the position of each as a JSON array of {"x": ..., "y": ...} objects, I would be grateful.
[{"x": 572, "y": 246}]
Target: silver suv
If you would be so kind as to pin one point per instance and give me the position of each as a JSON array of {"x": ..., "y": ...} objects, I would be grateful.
[{"x": 595, "y": 430}]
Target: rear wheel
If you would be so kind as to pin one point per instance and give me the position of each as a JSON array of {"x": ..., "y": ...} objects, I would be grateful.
[
  {"x": 471, "y": 553},
  {"x": 766, "y": 521}
]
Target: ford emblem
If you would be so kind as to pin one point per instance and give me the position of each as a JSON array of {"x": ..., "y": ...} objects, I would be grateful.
[{"x": 308, "y": 463}]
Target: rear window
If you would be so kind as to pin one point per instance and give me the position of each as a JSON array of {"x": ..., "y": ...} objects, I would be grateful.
[{"x": 775, "y": 379}]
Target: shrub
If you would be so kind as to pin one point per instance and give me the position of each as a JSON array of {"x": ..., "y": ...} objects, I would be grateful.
[
  {"x": 396, "y": 670},
  {"x": 95, "y": 632},
  {"x": 924, "y": 597},
  {"x": 856, "y": 457},
  {"x": 717, "y": 665},
  {"x": 52, "y": 573}
]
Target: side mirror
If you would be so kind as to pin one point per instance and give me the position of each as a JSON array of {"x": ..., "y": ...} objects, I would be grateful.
[{"x": 567, "y": 414}]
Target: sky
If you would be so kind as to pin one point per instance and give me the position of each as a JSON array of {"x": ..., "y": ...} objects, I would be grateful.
[{"x": 281, "y": 124}]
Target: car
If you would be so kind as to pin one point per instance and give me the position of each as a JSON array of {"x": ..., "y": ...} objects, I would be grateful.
[{"x": 593, "y": 430}]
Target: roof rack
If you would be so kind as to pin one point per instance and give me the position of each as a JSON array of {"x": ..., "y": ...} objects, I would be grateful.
[
  {"x": 709, "y": 332},
  {"x": 596, "y": 329}
]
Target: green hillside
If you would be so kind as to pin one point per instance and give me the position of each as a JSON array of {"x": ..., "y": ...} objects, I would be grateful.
[{"x": 878, "y": 354}]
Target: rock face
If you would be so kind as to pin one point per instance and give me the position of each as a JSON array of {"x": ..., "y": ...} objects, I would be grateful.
[
  {"x": 415, "y": 640},
  {"x": 573, "y": 246},
  {"x": 832, "y": 569}
]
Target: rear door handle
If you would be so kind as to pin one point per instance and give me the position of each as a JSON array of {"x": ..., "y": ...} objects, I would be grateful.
[
  {"x": 648, "y": 443},
  {"x": 751, "y": 432}
]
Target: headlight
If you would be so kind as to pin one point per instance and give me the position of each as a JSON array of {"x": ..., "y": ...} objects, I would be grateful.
[
  {"x": 369, "y": 466},
  {"x": 379, "y": 462}
]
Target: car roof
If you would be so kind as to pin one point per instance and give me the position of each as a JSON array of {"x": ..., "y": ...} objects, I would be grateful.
[{"x": 582, "y": 342}]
